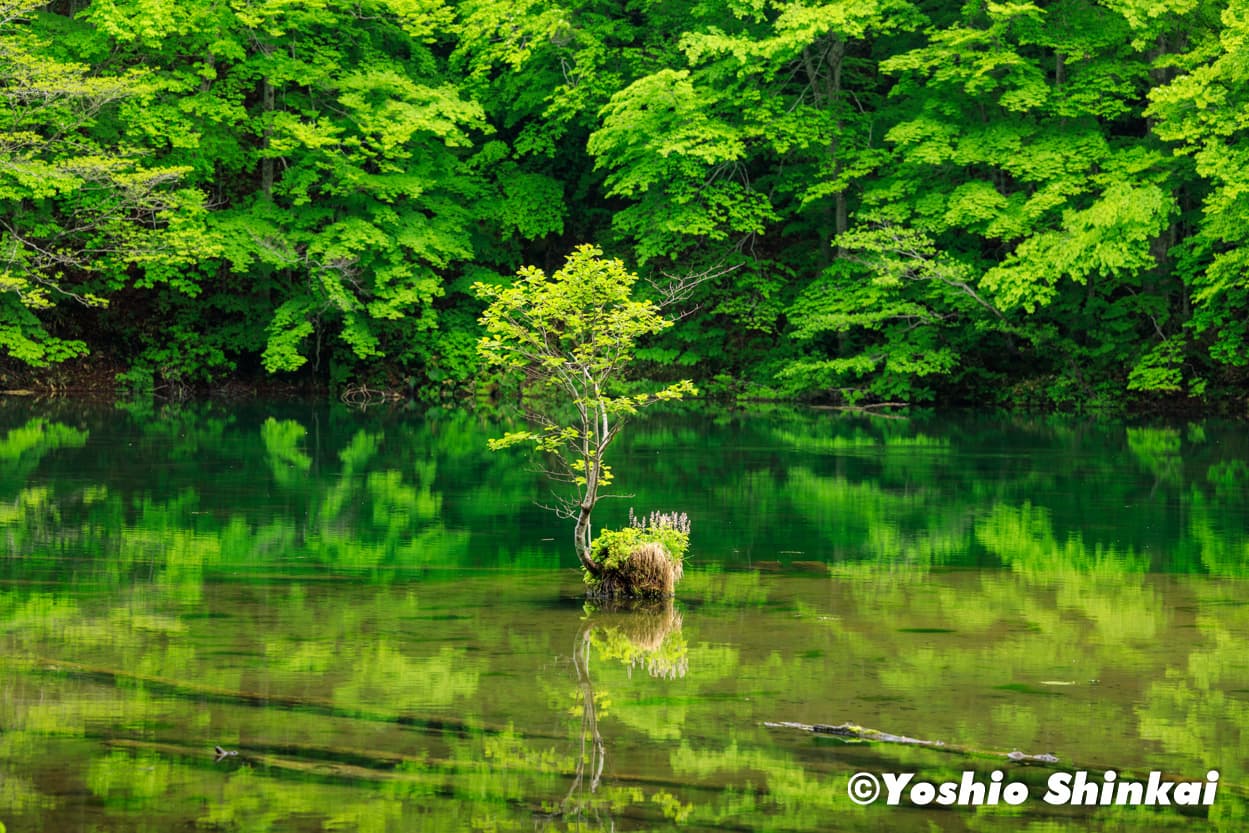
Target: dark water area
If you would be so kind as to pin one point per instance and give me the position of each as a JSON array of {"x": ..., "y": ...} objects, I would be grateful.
[{"x": 371, "y": 615}]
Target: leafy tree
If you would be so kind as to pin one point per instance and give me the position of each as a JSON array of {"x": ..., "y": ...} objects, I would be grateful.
[
  {"x": 343, "y": 164},
  {"x": 542, "y": 70},
  {"x": 80, "y": 208},
  {"x": 571, "y": 336},
  {"x": 1202, "y": 112},
  {"x": 897, "y": 200},
  {"x": 1019, "y": 225},
  {"x": 746, "y": 148}
]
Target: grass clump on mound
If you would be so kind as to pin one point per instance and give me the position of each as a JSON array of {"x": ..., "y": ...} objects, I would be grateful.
[{"x": 643, "y": 560}]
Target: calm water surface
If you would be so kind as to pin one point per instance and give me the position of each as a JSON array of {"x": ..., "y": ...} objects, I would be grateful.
[{"x": 370, "y": 610}]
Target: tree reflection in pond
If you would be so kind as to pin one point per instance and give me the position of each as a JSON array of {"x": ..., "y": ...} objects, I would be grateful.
[
  {"x": 644, "y": 634},
  {"x": 365, "y": 608}
]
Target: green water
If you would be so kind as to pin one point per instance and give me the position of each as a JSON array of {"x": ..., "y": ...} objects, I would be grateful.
[{"x": 370, "y": 610}]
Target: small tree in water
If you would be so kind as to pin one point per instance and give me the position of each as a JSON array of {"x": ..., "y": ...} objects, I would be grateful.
[{"x": 569, "y": 336}]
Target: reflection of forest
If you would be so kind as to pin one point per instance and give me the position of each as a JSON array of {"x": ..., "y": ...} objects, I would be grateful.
[
  {"x": 470, "y": 699},
  {"x": 276, "y": 583},
  {"x": 380, "y": 496}
]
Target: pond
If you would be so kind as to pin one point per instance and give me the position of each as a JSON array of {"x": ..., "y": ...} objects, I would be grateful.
[{"x": 372, "y": 620}]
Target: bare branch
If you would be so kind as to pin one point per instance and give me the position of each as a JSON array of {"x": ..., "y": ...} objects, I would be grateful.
[
  {"x": 679, "y": 287},
  {"x": 564, "y": 508}
]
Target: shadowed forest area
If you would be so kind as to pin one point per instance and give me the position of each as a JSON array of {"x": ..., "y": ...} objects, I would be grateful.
[{"x": 892, "y": 201}]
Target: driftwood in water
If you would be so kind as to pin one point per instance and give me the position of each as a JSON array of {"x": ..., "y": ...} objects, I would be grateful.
[
  {"x": 348, "y": 763},
  {"x": 853, "y": 732}
]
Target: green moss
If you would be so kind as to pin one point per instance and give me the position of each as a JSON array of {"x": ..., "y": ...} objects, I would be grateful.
[
  {"x": 631, "y": 560},
  {"x": 612, "y": 547}
]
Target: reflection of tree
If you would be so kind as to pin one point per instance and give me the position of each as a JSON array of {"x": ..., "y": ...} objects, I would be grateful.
[
  {"x": 22, "y": 449},
  {"x": 641, "y": 635},
  {"x": 1219, "y": 537},
  {"x": 30, "y": 514},
  {"x": 242, "y": 491},
  {"x": 636, "y": 634},
  {"x": 591, "y": 754},
  {"x": 379, "y": 498},
  {"x": 149, "y": 544},
  {"x": 301, "y": 681},
  {"x": 1023, "y": 537},
  {"x": 1158, "y": 450},
  {"x": 809, "y": 487}
]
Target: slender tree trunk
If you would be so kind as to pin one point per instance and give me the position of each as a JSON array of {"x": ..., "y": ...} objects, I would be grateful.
[
  {"x": 267, "y": 101},
  {"x": 824, "y": 76},
  {"x": 595, "y": 436},
  {"x": 581, "y": 539},
  {"x": 837, "y": 52},
  {"x": 582, "y": 532}
]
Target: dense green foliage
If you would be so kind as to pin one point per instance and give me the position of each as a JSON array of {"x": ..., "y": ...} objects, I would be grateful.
[
  {"x": 612, "y": 546},
  {"x": 899, "y": 201},
  {"x": 613, "y": 549}
]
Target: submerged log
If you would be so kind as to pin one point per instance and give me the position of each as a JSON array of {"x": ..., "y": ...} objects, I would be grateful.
[
  {"x": 853, "y": 732},
  {"x": 200, "y": 692}
]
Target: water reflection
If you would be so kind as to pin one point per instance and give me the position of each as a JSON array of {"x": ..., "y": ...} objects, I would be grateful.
[
  {"x": 388, "y": 497},
  {"x": 346, "y": 601},
  {"x": 635, "y": 634},
  {"x": 530, "y": 709}
]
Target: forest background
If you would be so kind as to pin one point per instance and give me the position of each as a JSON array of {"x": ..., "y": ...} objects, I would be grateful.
[{"x": 890, "y": 201}]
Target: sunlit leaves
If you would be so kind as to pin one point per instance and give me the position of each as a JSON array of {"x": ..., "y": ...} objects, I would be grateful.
[
  {"x": 82, "y": 207},
  {"x": 333, "y": 148},
  {"x": 1112, "y": 237},
  {"x": 1202, "y": 113},
  {"x": 388, "y": 158},
  {"x": 665, "y": 107},
  {"x": 902, "y": 300},
  {"x": 578, "y": 327},
  {"x": 1009, "y": 161},
  {"x": 316, "y": 188},
  {"x": 571, "y": 337}
]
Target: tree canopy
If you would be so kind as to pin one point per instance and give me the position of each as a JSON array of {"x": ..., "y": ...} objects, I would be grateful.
[
  {"x": 571, "y": 337},
  {"x": 900, "y": 200}
]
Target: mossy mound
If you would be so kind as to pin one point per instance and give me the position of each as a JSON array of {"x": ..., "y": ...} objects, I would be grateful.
[
  {"x": 649, "y": 571},
  {"x": 642, "y": 561}
]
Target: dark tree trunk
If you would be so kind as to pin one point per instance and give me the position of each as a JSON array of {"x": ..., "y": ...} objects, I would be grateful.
[{"x": 267, "y": 101}]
